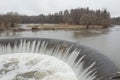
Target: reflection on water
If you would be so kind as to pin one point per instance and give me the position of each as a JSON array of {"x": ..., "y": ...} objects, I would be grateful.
[
  {"x": 90, "y": 33},
  {"x": 9, "y": 34},
  {"x": 104, "y": 40}
]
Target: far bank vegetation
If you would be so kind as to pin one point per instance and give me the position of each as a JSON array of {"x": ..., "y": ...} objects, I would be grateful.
[{"x": 78, "y": 16}]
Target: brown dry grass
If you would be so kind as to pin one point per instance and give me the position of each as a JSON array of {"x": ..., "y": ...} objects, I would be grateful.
[{"x": 62, "y": 27}]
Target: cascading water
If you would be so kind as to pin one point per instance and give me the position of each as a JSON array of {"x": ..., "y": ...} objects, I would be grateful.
[
  {"x": 28, "y": 66},
  {"x": 84, "y": 66}
]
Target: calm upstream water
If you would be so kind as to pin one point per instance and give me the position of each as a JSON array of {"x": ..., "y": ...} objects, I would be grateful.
[{"x": 106, "y": 41}]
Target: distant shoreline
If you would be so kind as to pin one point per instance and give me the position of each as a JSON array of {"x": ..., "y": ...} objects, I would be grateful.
[
  {"x": 38, "y": 27},
  {"x": 63, "y": 27}
]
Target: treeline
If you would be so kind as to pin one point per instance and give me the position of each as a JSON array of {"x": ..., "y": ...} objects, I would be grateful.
[
  {"x": 79, "y": 16},
  {"x": 116, "y": 21},
  {"x": 9, "y": 20}
]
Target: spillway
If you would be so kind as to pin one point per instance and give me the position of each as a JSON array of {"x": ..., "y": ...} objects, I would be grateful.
[{"x": 86, "y": 63}]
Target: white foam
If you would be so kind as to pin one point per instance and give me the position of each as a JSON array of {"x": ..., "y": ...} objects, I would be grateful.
[{"x": 30, "y": 66}]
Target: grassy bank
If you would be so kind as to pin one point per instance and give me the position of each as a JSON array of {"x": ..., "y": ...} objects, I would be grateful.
[
  {"x": 62, "y": 27},
  {"x": 37, "y": 27}
]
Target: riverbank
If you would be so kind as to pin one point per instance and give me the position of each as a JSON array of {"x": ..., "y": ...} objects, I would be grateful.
[
  {"x": 38, "y": 27},
  {"x": 62, "y": 27}
]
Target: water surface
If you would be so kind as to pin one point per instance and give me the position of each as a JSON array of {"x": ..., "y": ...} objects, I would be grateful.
[{"x": 106, "y": 41}]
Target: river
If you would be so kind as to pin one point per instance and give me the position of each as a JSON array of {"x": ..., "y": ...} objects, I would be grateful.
[{"x": 106, "y": 41}]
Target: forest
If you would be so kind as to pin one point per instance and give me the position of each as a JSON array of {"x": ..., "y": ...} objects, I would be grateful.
[
  {"x": 78, "y": 16},
  {"x": 116, "y": 20}
]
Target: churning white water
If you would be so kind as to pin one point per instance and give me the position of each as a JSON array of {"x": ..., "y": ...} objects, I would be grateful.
[
  {"x": 34, "y": 67},
  {"x": 44, "y": 47}
]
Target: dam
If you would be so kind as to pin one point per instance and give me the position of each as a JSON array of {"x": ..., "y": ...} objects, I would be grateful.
[{"x": 86, "y": 63}]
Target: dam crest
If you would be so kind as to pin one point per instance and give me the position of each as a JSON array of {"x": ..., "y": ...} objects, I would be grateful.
[{"x": 86, "y": 63}]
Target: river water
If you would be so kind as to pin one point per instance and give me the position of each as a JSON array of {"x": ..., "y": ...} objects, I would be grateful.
[{"x": 106, "y": 41}]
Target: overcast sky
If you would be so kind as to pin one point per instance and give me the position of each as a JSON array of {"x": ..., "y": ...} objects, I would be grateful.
[{"x": 35, "y": 7}]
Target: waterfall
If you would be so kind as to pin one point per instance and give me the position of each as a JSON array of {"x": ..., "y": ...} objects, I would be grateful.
[{"x": 63, "y": 51}]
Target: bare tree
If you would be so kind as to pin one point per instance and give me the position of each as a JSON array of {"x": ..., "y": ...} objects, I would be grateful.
[{"x": 88, "y": 19}]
